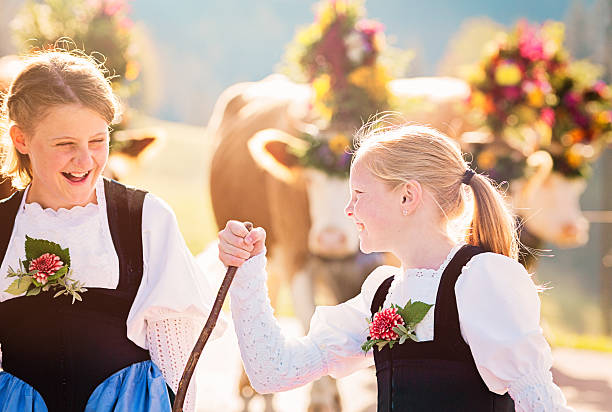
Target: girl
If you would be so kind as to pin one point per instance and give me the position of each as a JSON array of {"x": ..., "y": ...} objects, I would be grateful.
[
  {"x": 479, "y": 348},
  {"x": 143, "y": 297}
]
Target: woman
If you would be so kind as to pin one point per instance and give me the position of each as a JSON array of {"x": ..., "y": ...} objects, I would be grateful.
[
  {"x": 456, "y": 328},
  {"x": 131, "y": 300}
]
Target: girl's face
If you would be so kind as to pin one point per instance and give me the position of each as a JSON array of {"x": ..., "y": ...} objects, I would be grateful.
[
  {"x": 375, "y": 209},
  {"x": 68, "y": 151}
]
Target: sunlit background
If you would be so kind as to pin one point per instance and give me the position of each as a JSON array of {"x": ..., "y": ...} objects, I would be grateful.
[{"x": 174, "y": 59}]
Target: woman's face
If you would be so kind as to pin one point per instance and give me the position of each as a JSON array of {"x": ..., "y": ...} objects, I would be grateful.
[
  {"x": 68, "y": 151},
  {"x": 375, "y": 209}
]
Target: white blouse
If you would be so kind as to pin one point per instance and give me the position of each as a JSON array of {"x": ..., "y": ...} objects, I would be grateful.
[
  {"x": 499, "y": 314},
  {"x": 174, "y": 297}
]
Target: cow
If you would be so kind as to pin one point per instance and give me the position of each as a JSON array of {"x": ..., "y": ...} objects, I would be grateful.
[{"x": 255, "y": 177}]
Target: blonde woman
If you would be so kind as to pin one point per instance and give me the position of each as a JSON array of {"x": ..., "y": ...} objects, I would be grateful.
[{"x": 478, "y": 345}]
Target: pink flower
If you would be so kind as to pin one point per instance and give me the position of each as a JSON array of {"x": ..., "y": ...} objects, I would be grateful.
[
  {"x": 548, "y": 116},
  {"x": 46, "y": 265},
  {"x": 383, "y": 323},
  {"x": 511, "y": 93},
  {"x": 369, "y": 27},
  {"x": 530, "y": 42},
  {"x": 601, "y": 88}
]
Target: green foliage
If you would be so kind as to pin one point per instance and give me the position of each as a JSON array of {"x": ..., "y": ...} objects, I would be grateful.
[
  {"x": 35, "y": 248},
  {"x": 19, "y": 285},
  {"x": 100, "y": 27}
]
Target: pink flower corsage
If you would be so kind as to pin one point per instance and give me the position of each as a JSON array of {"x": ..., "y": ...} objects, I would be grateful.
[
  {"x": 395, "y": 325},
  {"x": 46, "y": 267}
]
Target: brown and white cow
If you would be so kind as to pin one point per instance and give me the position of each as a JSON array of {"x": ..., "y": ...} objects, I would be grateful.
[{"x": 255, "y": 177}]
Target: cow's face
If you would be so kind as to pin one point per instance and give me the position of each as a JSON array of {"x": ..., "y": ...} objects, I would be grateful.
[
  {"x": 331, "y": 233},
  {"x": 552, "y": 212}
]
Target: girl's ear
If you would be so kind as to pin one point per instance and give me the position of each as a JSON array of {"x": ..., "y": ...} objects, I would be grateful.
[
  {"x": 410, "y": 196},
  {"x": 19, "y": 139}
]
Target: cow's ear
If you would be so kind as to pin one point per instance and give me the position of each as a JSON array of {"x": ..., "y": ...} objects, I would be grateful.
[
  {"x": 273, "y": 150},
  {"x": 133, "y": 143}
]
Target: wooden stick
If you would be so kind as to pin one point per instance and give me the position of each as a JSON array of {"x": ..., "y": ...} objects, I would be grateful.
[{"x": 208, "y": 328}]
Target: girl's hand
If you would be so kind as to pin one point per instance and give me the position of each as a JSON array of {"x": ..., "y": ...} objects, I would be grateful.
[{"x": 237, "y": 244}]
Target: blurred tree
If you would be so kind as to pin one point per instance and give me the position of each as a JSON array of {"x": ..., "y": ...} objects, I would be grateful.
[
  {"x": 465, "y": 47},
  {"x": 606, "y": 241},
  {"x": 578, "y": 36},
  {"x": 101, "y": 27},
  {"x": 8, "y": 9}
]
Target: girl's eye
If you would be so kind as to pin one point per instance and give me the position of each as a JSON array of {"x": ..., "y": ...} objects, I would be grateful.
[
  {"x": 98, "y": 141},
  {"x": 64, "y": 144}
]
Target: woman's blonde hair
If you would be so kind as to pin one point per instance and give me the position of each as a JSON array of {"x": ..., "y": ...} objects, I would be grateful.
[
  {"x": 48, "y": 79},
  {"x": 397, "y": 154}
]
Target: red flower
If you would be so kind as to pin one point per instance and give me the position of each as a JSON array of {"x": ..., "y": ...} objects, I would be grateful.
[
  {"x": 46, "y": 265},
  {"x": 383, "y": 323}
]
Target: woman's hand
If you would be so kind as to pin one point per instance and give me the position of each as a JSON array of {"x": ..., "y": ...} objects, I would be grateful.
[{"x": 237, "y": 244}]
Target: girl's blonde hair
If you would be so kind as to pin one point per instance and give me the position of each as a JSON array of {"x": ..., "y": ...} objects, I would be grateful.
[
  {"x": 397, "y": 154},
  {"x": 48, "y": 79}
]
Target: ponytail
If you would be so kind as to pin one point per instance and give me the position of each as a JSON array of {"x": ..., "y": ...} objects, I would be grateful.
[{"x": 493, "y": 225}]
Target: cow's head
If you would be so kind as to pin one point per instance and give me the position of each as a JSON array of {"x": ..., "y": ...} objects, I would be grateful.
[
  {"x": 331, "y": 234},
  {"x": 549, "y": 204}
]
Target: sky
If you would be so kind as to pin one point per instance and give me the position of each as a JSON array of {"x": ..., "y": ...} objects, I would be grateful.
[{"x": 202, "y": 47}]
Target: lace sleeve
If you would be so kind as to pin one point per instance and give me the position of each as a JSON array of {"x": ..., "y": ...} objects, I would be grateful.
[
  {"x": 272, "y": 362},
  {"x": 170, "y": 342},
  {"x": 538, "y": 393}
]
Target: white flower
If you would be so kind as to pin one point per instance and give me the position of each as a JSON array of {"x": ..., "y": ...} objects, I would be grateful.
[{"x": 354, "y": 47}]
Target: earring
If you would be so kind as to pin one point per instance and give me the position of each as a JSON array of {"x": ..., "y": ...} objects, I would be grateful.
[{"x": 404, "y": 212}]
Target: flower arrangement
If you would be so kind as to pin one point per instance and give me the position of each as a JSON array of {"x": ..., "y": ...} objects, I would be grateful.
[
  {"x": 338, "y": 54},
  {"x": 46, "y": 267},
  {"x": 331, "y": 155},
  {"x": 95, "y": 26},
  {"x": 395, "y": 325},
  {"x": 532, "y": 96}
]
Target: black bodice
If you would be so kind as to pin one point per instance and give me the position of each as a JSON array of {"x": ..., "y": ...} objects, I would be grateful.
[
  {"x": 66, "y": 350},
  {"x": 438, "y": 375}
]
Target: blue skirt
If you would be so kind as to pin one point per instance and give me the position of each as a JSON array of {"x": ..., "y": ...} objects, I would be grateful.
[{"x": 139, "y": 387}]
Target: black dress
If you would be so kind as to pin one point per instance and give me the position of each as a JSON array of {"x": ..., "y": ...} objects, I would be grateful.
[
  {"x": 438, "y": 375},
  {"x": 64, "y": 350}
]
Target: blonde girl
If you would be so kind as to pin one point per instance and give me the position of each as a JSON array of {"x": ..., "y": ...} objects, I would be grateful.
[{"x": 480, "y": 346}]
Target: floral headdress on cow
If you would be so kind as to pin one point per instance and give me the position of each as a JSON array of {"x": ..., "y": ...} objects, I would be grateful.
[
  {"x": 532, "y": 97},
  {"x": 338, "y": 54}
]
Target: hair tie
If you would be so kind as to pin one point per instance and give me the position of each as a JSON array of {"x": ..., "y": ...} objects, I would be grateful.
[{"x": 467, "y": 176}]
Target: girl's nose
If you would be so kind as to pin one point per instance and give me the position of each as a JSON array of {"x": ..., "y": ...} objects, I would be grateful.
[
  {"x": 348, "y": 210},
  {"x": 83, "y": 158}
]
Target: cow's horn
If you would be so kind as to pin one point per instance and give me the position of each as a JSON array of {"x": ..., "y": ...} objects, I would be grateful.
[{"x": 270, "y": 150}]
